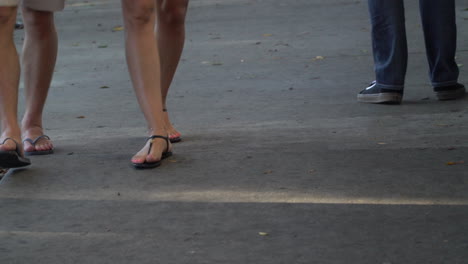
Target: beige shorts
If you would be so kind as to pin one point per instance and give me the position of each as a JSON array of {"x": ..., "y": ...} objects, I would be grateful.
[{"x": 41, "y": 5}]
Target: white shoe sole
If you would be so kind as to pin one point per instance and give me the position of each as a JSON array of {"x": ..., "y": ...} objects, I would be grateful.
[{"x": 380, "y": 98}]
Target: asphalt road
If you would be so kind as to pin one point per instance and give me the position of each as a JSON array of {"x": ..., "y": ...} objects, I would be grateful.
[{"x": 279, "y": 163}]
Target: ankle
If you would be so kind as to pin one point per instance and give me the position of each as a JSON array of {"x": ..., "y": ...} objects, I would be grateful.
[
  {"x": 10, "y": 132},
  {"x": 26, "y": 126},
  {"x": 161, "y": 132}
]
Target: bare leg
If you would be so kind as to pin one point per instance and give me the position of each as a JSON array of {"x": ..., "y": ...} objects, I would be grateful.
[
  {"x": 170, "y": 34},
  {"x": 9, "y": 79},
  {"x": 143, "y": 62},
  {"x": 39, "y": 57}
]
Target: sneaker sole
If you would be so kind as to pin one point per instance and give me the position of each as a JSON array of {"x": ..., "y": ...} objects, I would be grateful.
[
  {"x": 381, "y": 98},
  {"x": 451, "y": 95}
]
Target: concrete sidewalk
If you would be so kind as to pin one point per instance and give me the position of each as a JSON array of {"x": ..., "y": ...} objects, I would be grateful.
[{"x": 279, "y": 162}]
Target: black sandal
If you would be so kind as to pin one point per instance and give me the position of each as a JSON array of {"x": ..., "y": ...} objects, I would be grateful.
[
  {"x": 166, "y": 154},
  {"x": 33, "y": 143},
  {"x": 13, "y": 158}
]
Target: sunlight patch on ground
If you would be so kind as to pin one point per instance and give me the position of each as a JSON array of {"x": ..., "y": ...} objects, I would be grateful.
[{"x": 227, "y": 196}]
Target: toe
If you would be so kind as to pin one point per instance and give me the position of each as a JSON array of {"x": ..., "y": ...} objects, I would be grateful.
[
  {"x": 46, "y": 146},
  {"x": 40, "y": 147},
  {"x": 138, "y": 159},
  {"x": 28, "y": 147},
  {"x": 174, "y": 135},
  {"x": 151, "y": 159}
]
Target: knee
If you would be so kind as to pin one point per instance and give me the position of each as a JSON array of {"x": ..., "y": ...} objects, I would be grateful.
[
  {"x": 173, "y": 15},
  {"x": 7, "y": 14},
  {"x": 139, "y": 13}
]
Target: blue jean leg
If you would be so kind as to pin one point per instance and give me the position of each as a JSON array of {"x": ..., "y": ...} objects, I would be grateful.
[
  {"x": 440, "y": 34},
  {"x": 389, "y": 42}
]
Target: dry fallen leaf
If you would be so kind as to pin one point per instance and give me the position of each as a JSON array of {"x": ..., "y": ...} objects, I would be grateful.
[
  {"x": 318, "y": 58},
  {"x": 117, "y": 28},
  {"x": 263, "y": 233},
  {"x": 268, "y": 172},
  {"x": 81, "y": 117},
  {"x": 267, "y": 35},
  {"x": 451, "y": 163}
]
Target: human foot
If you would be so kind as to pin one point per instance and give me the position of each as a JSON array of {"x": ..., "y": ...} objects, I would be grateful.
[
  {"x": 11, "y": 153},
  {"x": 156, "y": 149},
  {"x": 9, "y": 145},
  {"x": 35, "y": 142},
  {"x": 174, "y": 135}
]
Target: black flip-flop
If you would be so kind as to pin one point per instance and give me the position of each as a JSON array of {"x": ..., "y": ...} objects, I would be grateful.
[
  {"x": 33, "y": 143},
  {"x": 150, "y": 165},
  {"x": 3, "y": 172},
  {"x": 13, "y": 158}
]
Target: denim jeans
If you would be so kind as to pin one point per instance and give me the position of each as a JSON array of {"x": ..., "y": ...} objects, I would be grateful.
[{"x": 390, "y": 46}]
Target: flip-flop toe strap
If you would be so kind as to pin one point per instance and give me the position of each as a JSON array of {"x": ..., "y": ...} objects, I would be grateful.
[
  {"x": 39, "y": 138},
  {"x": 29, "y": 141},
  {"x": 34, "y": 142},
  {"x": 153, "y": 137},
  {"x": 5, "y": 140}
]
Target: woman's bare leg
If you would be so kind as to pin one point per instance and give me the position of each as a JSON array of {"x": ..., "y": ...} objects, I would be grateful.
[
  {"x": 39, "y": 57},
  {"x": 144, "y": 65},
  {"x": 170, "y": 34},
  {"x": 9, "y": 79}
]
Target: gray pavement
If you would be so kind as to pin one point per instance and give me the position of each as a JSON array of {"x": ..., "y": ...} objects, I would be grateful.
[{"x": 279, "y": 163}]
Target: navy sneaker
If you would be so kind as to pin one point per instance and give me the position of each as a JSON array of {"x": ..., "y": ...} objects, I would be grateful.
[
  {"x": 451, "y": 92},
  {"x": 376, "y": 95}
]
